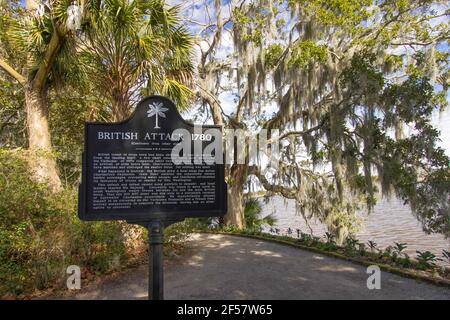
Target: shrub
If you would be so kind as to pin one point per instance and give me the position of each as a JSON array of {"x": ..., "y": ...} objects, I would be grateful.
[
  {"x": 200, "y": 223},
  {"x": 40, "y": 234},
  {"x": 426, "y": 259},
  {"x": 446, "y": 255},
  {"x": 252, "y": 211},
  {"x": 178, "y": 233},
  {"x": 398, "y": 249},
  {"x": 372, "y": 245},
  {"x": 351, "y": 245}
]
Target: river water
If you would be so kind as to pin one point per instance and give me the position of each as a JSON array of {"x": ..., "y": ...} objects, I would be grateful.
[{"x": 390, "y": 222}]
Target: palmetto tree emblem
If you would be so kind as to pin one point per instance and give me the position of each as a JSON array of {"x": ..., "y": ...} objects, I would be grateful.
[{"x": 156, "y": 109}]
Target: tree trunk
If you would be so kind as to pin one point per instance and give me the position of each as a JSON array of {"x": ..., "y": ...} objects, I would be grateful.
[
  {"x": 120, "y": 107},
  {"x": 43, "y": 163},
  {"x": 236, "y": 181}
]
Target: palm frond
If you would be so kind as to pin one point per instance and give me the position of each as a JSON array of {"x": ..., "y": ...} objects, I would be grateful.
[{"x": 178, "y": 92}]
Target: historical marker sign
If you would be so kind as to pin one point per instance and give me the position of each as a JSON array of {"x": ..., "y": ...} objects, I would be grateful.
[{"x": 152, "y": 166}]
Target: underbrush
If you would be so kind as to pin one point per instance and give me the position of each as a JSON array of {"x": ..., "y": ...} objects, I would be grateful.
[{"x": 41, "y": 235}]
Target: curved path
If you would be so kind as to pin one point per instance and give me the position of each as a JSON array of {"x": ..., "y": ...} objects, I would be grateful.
[{"x": 227, "y": 267}]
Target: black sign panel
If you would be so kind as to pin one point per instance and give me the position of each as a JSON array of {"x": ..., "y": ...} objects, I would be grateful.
[{"x": 152, "y": 166}]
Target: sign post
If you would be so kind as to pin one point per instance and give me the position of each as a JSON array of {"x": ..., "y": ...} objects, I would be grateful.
[
  {"x": 155, "y": 262},
  {"x": 153, "y": 169}
]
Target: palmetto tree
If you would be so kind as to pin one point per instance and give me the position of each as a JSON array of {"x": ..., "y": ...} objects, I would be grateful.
[
  {"x": 131, "y": 48},
  {"x": 156, "y": 109},
  {"x": 125, "y": 48}
]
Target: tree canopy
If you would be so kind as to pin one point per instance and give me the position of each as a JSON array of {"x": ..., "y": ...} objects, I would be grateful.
[
  {"x": 351, "y": 85},
  {"x": 343, "y": 81}
]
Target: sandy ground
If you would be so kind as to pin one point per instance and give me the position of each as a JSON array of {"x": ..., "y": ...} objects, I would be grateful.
[{"x": 227, "y": 267}]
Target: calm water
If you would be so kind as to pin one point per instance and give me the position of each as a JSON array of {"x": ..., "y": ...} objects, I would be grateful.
[{"x": 390, "y": 222}]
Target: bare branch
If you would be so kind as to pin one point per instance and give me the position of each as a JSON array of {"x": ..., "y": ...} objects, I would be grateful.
[
  {"x": 302, "y": 133},
  {"x": 214, "y": 104},
  {"x": 240, "y": 105},
  {"x": 417, "y": 43},
  {"x": 12, "y": 72},
  {"x": 284, "y": 191},
  {"x": 216, "y": 38},
  {"x": 50, "y": 55}
]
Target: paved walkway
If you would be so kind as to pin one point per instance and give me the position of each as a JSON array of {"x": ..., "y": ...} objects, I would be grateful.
[{"x": 227, "y": 267}]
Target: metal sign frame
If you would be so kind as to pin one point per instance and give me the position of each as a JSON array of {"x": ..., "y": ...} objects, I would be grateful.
[
  {"x": 155, "y": 212},
  {"x": 154, "y": 218}
]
